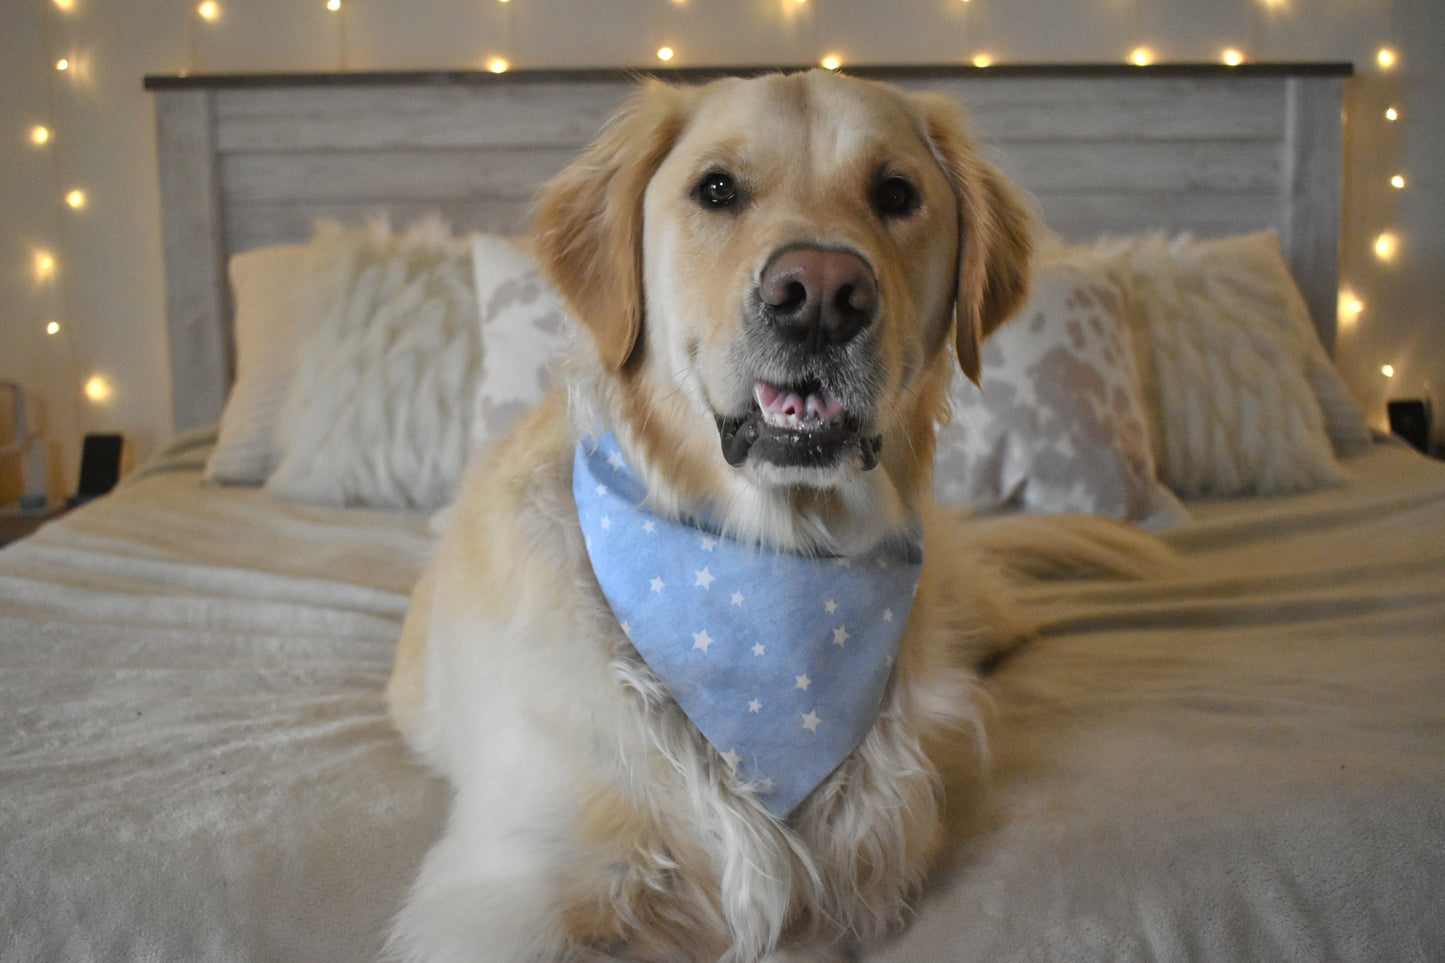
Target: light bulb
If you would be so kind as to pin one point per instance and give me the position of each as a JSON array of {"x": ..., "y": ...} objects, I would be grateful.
[
  {"x": 1392, "y": 113},
  {"x": 1141, "y": 56},
  {"x": 62, "y": 64},
  {"x": 76, "y": 199},
  {"x": 1398, "y": 182},
  {"x": 44, "y": 265},
  {"x": 497, "y": 65},
  {"x": 831, "y": 62},
  {"x": 53, "y": 327},
  {"x": 1385, "y": 58},
  {"x": 983, "y": 60},
  {"x": 39, "y": 134},
  {"x": 1232, "y": 57},
  {"x": 65, "y": 4},
  {"x": 97, "y": 389},
  {"x": 1385, "y": 246},
  {"x": 1388, "y": 370},
  {"x": 209, "y": 10},
  {"x": 664, "y": 53},
  {"x": 333, "y": 5}
]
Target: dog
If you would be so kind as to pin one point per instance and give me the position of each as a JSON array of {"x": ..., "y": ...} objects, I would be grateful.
[{"x": 774, "y": 278}]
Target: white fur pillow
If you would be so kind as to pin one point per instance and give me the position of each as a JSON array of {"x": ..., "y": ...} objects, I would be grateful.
[
  {"x": 272, "y": 296},
  {"x": 522, "y": 324},
  {"x": 1057, "y": 422},
  {"x": 1235, "y": 379},
  {"x": 379, "y": 412}
]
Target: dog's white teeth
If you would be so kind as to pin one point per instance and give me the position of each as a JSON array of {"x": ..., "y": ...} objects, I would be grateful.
[{"x": 791, "y": 409}]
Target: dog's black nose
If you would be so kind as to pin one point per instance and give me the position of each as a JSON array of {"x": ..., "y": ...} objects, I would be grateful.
[{"x": 818, "y": 298}]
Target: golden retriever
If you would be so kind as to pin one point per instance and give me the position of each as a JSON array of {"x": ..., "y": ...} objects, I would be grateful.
[{"x": 775, "y": 277}]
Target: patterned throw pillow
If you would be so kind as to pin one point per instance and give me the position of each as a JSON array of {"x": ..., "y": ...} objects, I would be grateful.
[{"x": 1057, "y": 423}]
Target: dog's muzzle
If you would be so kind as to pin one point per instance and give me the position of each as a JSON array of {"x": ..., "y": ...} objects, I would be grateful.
[{"x": 813, "y": 302}]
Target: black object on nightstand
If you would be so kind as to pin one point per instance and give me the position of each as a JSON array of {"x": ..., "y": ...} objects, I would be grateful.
[
  {"x": 1410, "y": 420},
  {"x": 99, "y": 467}
]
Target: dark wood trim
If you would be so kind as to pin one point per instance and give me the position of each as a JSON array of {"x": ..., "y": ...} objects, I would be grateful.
[{"x": 443, "y": 78}]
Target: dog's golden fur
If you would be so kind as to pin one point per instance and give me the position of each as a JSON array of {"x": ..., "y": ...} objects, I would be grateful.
[{"x": 591, "y": 820}]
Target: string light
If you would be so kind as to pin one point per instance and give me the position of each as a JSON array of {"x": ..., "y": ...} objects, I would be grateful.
[
  {"x": 1141, "y": 56},
  {"x": 209, "y": 10},
  {"x": 53, "y": 327},
  {"x": 1385, "y": 246},
  {"x": 1392, "y": 113},
  {"x": 1398, "y": 182},
  {"x": 1385, "y": 58},
  {"x": 831, "y": 62},
  {"x": 1349, "y": 310},
  {"x": 497, "y": 65},
  {"x": 98, "y": 389},
  {"x": 65, "y": 4},
  {"x": 1388, "y": 370},
  {"x": 40, "y": 135},
  {"x": 44, "y": 265},
  {"x": 1232, "y": 57},
  {"x": 62, "y": 64},
  {"x": 664, "y": 53},
  {"x": 76, "y": 199},
  {"x": 983, "y": 60},
  {"x": 333, "y": 5}
]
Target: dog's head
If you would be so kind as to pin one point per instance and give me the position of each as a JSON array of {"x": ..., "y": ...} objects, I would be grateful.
[{"x": 770, "y": 270}]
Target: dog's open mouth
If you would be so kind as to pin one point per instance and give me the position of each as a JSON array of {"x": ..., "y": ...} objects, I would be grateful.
[{"x": 796, "y": 426}]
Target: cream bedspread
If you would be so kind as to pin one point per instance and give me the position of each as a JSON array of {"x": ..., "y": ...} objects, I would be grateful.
[{"x": 1243, "y": 761}]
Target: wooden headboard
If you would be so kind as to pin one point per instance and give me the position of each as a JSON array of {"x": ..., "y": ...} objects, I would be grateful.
[{"x": 251, "y": 160}]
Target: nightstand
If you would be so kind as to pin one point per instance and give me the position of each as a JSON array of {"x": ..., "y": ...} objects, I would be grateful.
[{"x": 17, "y": 522}]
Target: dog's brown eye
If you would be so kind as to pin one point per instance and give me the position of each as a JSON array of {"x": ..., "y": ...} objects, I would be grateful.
[
  {"x": 895, "y": 197},
  {"x": 717, "y": 189}
]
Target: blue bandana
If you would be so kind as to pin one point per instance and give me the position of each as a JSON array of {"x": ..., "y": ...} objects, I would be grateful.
[{"x": 780, "y": 660}]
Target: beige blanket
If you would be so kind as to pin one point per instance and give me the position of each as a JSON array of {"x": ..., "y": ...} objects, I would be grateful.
[{"x": 1245, "y": 761}]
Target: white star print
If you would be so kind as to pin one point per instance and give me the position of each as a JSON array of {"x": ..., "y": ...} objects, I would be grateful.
[
  {"x": 759, "y": 649},
  {"x": 738, "y": 598},
  {"x": 803, "y": 682},
  {"x": 615, "y": 460},
  {"x": 650, "y": 527},
  {"x": 888, "y": 615},
  {"x": 704, "y": 579},
  {"x": 606, "y": 523},
  {"x": 708, "y": 543},
  {"x": 841, "y": 636},
  {"x": 701, "y": 640},
  {"x": 830, "y": 606},
  {"x": 811, "y": 720},
  {"x": 755, "y": 706},
  {"x": 732, "y": 758},
  {"x": 602, "y": 489},
  {"x": 658, "y": 585}
]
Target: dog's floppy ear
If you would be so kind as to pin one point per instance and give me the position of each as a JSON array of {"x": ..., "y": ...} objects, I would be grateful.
[
  {"x": 996, "y": 227},
  {"x": 588, "y": 225}
]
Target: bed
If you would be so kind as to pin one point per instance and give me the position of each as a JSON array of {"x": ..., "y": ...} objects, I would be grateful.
[{"x": 1243, "y": 759}]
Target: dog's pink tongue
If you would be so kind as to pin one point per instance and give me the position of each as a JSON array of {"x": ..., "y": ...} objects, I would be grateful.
[{"x": 792, "y": 408}]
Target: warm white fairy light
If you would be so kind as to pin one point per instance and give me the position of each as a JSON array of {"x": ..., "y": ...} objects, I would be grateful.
[
  {"x": 98, "y": 389},
  {"x": 1392, "y": 113},
  {"x": 1386, "y": 58},
  {"x": 63, "y": 63},
  {"x": 1398, "y": 182},
  {"x": 209, "y": 10},
  {"x": 53, "y": 327},
  {"x": 665, "y": 53},
  {"x": 333, "y": 5},
  {"x": 498, "y": 66},
  {"x": 1141, "y": 56},
  {"x": 831, "y": 62},
  {"x": 1386, "y": 244},
  {"x": 1388, "y": 370},
  {"x": 1349, "y": 311},
  {"x": 76, "y": 199},
  {"x": 1232, "y": 56},
  {"x": 983, "y": 60},
  {"x": 65, "y": 4},
  {"x": 40, "y": 135},
  {"x": 44, "y": 265}
]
